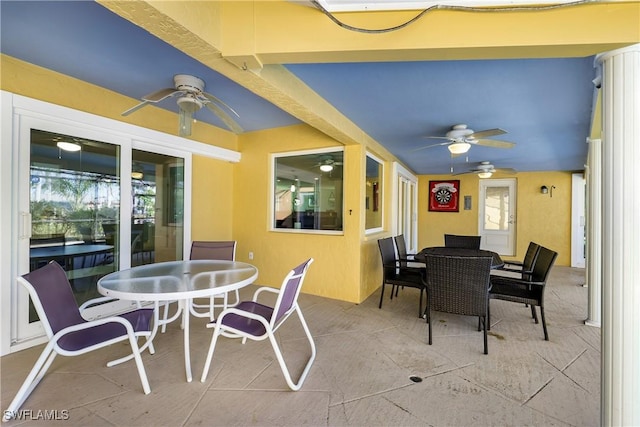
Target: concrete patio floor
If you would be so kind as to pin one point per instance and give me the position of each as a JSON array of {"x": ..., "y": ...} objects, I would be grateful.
[{"x": 361, "y": 377}]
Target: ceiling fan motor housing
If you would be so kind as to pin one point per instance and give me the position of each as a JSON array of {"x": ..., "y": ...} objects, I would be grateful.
[
  {"x": 459, "y": 132},
  {"x": 188, "y": 83}
]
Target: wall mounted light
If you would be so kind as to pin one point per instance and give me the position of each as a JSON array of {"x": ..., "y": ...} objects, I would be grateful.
[{"x": 544, "y": 190}]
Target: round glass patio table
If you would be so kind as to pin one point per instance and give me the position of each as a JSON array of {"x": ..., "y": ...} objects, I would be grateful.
[{"x": 180, "y": 281}]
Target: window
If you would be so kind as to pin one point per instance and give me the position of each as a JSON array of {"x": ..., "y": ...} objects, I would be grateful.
[
  {"x": 373, "y": 195},
  {"x": 307, "y": 190}
]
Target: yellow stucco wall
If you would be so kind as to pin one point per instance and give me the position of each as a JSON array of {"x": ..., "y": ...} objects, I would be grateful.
[
  {"x": 335, "y": 272},
  {"x": 540, "y": 218}
]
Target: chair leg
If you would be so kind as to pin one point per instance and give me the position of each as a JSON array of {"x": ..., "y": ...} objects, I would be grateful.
[
  {"x": 141, "y": 372},
  {"x": 420, "y": 304},
  {"x": 212, "y": 346},
  {"x": 486, "y": 349},
  {"x": 283, "y": 366},
  {"x": 533, "y": 314},
  {"x": 382, "y": 295},
  {"x": 35, "y": 376},
  {"x": 544, "y": 324},
  {"x": 489, "y": 315},
  {"x": 429, "y": 321}
]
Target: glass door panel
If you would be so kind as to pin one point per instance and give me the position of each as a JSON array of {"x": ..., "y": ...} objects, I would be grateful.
[
  {"x": 74, "y": 205},
  {"x": 157, "y": 218}
]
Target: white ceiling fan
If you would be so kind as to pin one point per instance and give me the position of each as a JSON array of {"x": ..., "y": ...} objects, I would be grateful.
[
  {"x": 191, "y": 97},
  {"x": 460, "y": 139},
  {"x": 327, "y": 164},
  {"x": 486, "y": 169}
]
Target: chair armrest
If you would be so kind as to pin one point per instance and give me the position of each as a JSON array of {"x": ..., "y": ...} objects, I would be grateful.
[
  {"x": 264, "y": 289},
  {"x": 93, "y": 323},
  {"x": 233, "y": 310},
  {"x": 517, "y": 263},
  {"x": 95, "y": 301},
  {"x": 501, "y": 280}
]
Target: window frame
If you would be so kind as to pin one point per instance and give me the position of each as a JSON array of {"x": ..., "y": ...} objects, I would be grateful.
[
  {"x": 272, "y": 185},
  {"x": 380, "y": 201}
]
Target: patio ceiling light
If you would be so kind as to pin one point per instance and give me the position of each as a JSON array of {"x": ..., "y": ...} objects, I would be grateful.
[
  {"x": 68, "y": 146},
  {"x": 459, "y": 147}
]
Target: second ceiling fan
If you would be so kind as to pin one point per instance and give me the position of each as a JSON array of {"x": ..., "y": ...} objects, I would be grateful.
[
  {"x": 486, "y": 169},
  {"x": 460, "y": 139}
]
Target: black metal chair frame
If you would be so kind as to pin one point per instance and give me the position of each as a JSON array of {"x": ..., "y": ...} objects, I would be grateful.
[
  {"x": 528, "y": 290},
  {"x": 396, "y": 275}
]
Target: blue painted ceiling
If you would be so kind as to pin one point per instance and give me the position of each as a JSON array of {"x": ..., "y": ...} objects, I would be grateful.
[{"x": 545, "y": 105}]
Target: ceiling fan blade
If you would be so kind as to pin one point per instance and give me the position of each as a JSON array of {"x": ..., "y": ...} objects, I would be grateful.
[
  {"x": 492, "y": 143},
  {"x": 464, "y": 173},
  {"x": 506, "y": 170},
  {"x": 154, "y": 97},
  {"x": 135, "y": 108},
  {"x": 161, "y": 94},
  {"x": 432, "y": 145},
  {"x": 489, "y": 132},
  {"x": 226, "y": 119},
  {"x": 212, "y": 98}
]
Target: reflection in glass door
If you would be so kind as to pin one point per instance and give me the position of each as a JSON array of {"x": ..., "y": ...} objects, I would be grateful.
[
  {"x": 157, "y": 218},
  {"x": 74, "y": 206}
]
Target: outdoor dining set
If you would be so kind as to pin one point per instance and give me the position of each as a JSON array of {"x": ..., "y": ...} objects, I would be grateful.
[
  {"x": 207, "y": 277},
  {"x": 460, "y": 278},
  {"x": 457, "y": 278}
]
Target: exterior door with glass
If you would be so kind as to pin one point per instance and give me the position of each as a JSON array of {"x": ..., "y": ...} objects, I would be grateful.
[{"x": 497, "y": 215}]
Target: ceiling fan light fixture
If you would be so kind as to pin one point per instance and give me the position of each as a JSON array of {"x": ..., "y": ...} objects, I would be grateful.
[
  {"x": 459, "y": 147},
  {"x": 326, "y": 168},
  {"x": 68, "y": 146},
  {"x": 485, "y": 174},
  {"x": 189, "y": 103}
]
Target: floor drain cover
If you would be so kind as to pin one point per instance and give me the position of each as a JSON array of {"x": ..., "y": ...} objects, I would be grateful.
[{"x": 415, "y": 379}]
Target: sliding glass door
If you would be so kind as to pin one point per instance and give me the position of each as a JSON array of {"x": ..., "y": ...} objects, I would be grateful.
[
  {"x": 74, "y": 200},
  {"x": 94, "y": 203},
  {"x": 157, "y": 218}
]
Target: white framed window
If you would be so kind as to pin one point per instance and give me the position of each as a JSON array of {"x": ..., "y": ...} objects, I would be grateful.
[
  {"x": 374, "y": 174},
  {"x": 307, "y": 191}
]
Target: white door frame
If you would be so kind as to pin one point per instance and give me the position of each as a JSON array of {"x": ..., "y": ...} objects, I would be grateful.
[
  {"x": 501, "y": 241},
  {"x": 405, "y": 209},
  {"x": 578, "y": 223}
]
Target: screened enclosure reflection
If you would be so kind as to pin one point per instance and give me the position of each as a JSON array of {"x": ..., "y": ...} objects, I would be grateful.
[{"x": 308, "y": 191}]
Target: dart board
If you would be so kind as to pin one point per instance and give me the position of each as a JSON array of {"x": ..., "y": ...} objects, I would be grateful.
[{"x": 444, "y": 196}]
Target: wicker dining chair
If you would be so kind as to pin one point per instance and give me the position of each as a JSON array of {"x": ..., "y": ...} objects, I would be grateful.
[
  {"x": 525, "y": 267},
  {"x": 456, "y": 241},
  {"x": 458, "y": 285},
  {"x": 394, "y": 274},
  {"x": 529, "y": 290}
]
